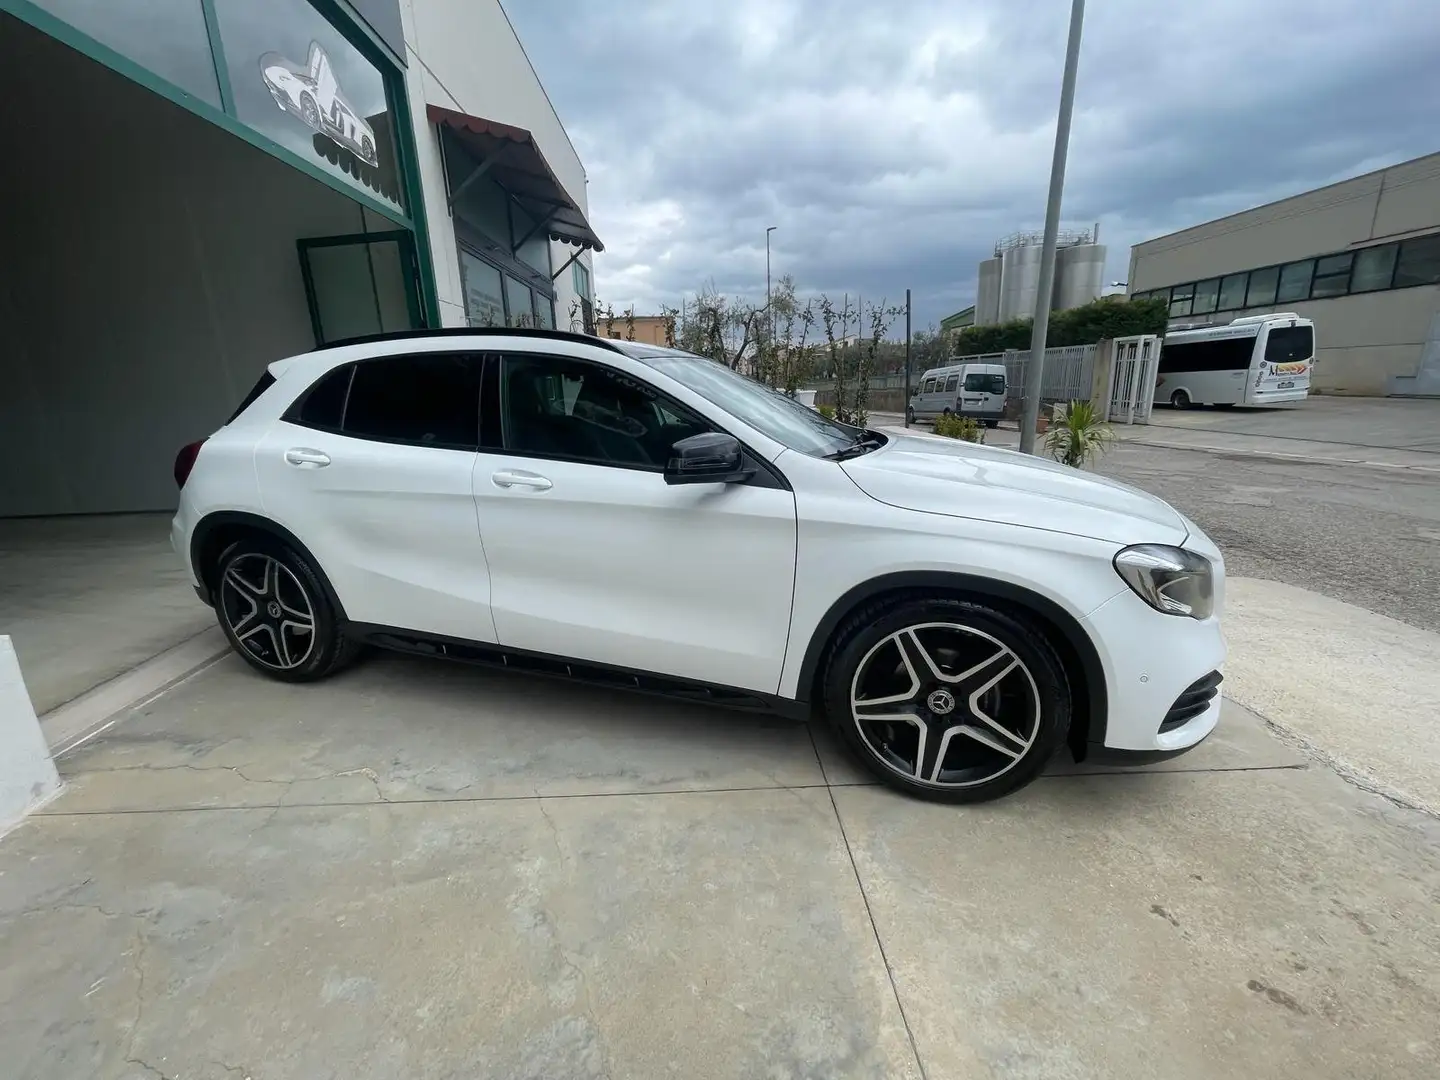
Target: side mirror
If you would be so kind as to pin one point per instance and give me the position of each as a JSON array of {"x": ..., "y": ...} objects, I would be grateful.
[{"x": 711, "y": 457}]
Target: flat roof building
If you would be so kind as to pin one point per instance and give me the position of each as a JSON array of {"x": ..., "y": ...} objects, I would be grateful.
[{"x": 1361, "y": 258}]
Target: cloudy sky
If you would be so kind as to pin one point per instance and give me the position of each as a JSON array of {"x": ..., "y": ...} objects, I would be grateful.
[{"x": 894, "y": 142}]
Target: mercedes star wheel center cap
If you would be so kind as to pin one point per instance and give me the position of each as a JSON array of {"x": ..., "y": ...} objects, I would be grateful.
[{"x": 941, "y": 702}]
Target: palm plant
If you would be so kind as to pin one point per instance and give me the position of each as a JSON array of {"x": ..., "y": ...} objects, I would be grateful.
[{"x": 1078, "y": 435}]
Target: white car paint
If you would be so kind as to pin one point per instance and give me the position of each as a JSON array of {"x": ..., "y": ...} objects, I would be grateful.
[{"x": 720, "y": 584}]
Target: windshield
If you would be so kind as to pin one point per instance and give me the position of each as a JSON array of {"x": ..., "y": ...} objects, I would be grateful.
[
  {"x": 768, "y": 411},
  {"x": 985, "y": 384},
  {"x": 1288, "y": 344}
]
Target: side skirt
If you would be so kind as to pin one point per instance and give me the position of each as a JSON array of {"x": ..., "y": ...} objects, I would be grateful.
[{"x": 490, "y": 655}]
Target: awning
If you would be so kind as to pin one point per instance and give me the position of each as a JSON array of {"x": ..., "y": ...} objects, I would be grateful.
[{"x": 510, "y": 156}]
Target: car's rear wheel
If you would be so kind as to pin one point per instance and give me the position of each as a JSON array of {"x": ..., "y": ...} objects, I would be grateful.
[
  {"x": 909, "y": 415},
  {"x": 1180, "y": 400},
  {"x": 952, "y": 700},
  {"x": 309, "y": 111},
  {"x": 992, "y": 423},
  {"x": 945, "y": 412},
  {"x": 275, "y": 612}
]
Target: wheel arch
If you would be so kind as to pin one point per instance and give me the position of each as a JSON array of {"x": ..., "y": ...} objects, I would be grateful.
[
  {"x": 1089, "y": 700},
  {"x": 218, "y": 530}
]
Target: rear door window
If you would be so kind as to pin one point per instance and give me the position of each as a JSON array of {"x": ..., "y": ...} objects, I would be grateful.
[
  {"x": 976, "y": 383},
  {"x": 431, "y": 399},
  {"x": 1289, "y": 344}
]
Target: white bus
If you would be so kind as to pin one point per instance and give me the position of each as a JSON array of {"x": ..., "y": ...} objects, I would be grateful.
[{"x": 1255, "y": 360}]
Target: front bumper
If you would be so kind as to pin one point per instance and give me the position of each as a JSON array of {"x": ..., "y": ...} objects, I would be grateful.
[{"x": 1151, "y": 661}]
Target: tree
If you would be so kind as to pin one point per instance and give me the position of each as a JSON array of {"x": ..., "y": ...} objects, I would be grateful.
[{"x": 1107, "y": 317}]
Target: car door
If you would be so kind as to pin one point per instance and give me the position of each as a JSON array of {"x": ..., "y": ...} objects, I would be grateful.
[
  {"x": 372, "y": 470},
  {"x": 593, "y": 556}
]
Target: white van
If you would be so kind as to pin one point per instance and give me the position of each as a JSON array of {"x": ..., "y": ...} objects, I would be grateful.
[{"x": 976, "y": 390}]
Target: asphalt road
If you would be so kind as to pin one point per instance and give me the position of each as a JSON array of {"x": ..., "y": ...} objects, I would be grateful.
[{"x": 1370, "y": 537}]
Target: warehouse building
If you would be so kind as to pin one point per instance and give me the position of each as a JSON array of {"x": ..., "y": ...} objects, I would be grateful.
[{"x": 1361, "y": 258}]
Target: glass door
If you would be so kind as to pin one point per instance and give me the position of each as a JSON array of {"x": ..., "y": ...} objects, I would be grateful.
[{"x": 365, "y": 283}]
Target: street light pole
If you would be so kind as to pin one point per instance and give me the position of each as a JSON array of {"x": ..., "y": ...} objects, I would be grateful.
[
  {"x": 1035, "y": 369},
  {"x": 768, "y": 309}
]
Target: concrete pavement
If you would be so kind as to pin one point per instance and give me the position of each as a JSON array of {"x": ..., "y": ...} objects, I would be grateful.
[{"x": 428, "y": 871}]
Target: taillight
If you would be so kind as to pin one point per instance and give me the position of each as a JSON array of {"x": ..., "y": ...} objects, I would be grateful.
[{"x": 185, "y": 461}]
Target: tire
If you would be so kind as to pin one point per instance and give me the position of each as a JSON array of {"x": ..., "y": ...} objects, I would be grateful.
[
  {"x": 997, "y": 671},
  {"x": 265, "y": 595},
  {"x": 309, "y": 111},
  {"x": 992, "y": 423},
  {"x": 909, "y": 415},
  {"x": 367, "y": 151},
  {"x": 946, "y": 412},
  {"x": 1180, "y": 400}
]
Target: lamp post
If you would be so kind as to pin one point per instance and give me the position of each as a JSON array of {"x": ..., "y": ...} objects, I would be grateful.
[{"x": 1035, "y": 369}]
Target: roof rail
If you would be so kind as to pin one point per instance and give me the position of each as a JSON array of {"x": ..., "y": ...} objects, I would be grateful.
[
  {"x": 471, "y": 331},
  {"x": 1263, "y": 318}
]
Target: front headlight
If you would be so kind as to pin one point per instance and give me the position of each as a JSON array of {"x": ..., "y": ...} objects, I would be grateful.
[{"x": 1170, "y": 579}]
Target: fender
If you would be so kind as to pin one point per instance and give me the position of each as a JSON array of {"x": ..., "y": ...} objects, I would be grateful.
[
  {"x": 1090, "y": 705},
  {"x": 237, "y": 520}
]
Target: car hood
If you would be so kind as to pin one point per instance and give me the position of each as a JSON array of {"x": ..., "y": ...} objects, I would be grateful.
[{"x": 967, "y": 480}]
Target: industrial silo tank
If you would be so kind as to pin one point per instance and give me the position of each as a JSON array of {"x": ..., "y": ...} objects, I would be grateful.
[
  {"x": 987, "y": 294},
  {"x": 1019, "y": 282},
  {"x": 1079, "y": 275}
]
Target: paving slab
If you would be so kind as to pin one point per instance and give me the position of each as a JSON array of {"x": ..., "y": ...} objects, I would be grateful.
[
  {"x": 1275, "y": 924},
  {"x": 88, "y": 598},
  {"x": 398, "y": 728},
  {"x": 683, "y": 935}
]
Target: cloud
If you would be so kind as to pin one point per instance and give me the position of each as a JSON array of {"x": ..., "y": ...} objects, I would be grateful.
[{"x": 892, "y": 144}]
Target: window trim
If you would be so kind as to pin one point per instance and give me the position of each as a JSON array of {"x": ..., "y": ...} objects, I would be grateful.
[
  {"x": 292, "y": 413},
  {"x": 766, "y": 474}
]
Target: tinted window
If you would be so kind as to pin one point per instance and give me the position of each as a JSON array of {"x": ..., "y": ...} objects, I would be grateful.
[
  {"x": 1419, "y": 262},
  {"x": 1287, "y": 344},
  {"x": 1226, "y": 354},
  {"x": 1332, "y": 276},
  {"x": 1207, "y": 295},
  {"x": 1262, "y": 286},
  {"x": 324, "y": 405},
  {"x": 1294, "y": 281},
  {"x": 429, "y": 400},
  {"x": 1232, "y": 292},
  {"x": 976, "y": 383},
  {"x": 262, "y": 384},
  {"x": 1181, "y": 297},
  {"x": 952, "y": 384},
  {"x": 1374, "y": 267},
  {"x": 555, "y": 407}
]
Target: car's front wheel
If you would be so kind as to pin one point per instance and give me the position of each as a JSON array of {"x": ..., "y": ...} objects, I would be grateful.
[
  {"x": 953, "y": 700},
  {"x": 909, "y": 415},
  {"x": 276, "y": 614}
]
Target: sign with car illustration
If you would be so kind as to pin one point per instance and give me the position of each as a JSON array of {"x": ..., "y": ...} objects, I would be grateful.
[{"x": 311, "y": 93}]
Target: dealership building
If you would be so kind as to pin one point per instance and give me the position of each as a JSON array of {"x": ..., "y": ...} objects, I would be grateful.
[
  {"x": 195, "y": 188},
  {"x": 1361, "y": 258}
]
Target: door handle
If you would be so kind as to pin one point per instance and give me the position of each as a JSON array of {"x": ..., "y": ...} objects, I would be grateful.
[
  {"x": 508, "y": 478},
  {"x": 304, "y": 457}
]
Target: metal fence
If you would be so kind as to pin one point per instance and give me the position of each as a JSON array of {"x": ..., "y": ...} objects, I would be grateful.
[{"x": 1069, "y": 371}]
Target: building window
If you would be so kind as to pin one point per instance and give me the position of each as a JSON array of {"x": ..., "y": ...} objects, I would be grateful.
[
  {"x": 1374, "y": 268},
  {"x": 167, "y": 37},
  {"x": 484, "y": 303},
  {"x": 580, "y": 274},
  {"x": 1419, "y": 262},
  {"x": 1332, "y": 276},
  {"x": 1262, "y": 287},
  {"x": 1181, "y": 297},
  {"x": 1232, "y": 292},
  {"x": 1295, "y": 281},
  {"x": 1207, "y": 295}
]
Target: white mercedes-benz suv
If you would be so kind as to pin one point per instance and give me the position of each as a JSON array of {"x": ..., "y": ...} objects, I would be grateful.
[{"x": 646, "y": 518}]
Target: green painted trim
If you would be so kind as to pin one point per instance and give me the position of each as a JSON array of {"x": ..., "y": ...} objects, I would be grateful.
[
  {"x": 352, "y": 24},
  {"x": 47, "y": 23},
  {"x": 217, "y": 53},
  {"x": 409, "y": 164}
]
